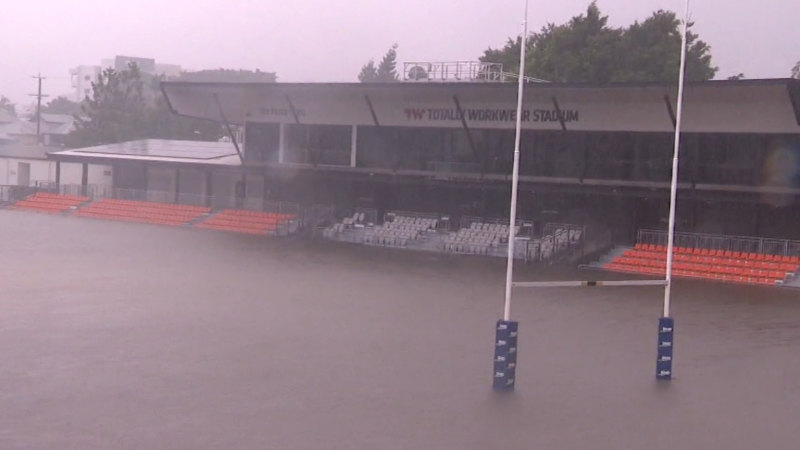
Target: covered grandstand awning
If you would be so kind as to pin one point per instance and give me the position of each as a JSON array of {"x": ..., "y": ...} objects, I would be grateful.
[
  {"x": 729, "y": 106},
  {"x": 196, "y": 153}
]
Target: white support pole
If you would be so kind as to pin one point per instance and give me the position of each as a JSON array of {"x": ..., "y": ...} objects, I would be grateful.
[
  {"x": 281, "y": 141},
  {"x": 512, "y": 220},
  {"x": 674, "y": 185},
  {"x": 353, "y": 145}
]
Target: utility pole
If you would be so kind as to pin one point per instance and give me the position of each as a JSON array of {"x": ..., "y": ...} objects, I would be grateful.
[{"x": 39, "y": 109}]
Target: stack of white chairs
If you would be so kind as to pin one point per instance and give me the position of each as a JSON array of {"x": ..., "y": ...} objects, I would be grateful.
[
  {"x": 480, "y": 238},
  {"x": 348, "y": 223},
  {"x": 546, "y": 248},
  {"x": 401, "y": 231},
  {"x": 561, "y": 239},
  {"x": 575, "y": 236}
]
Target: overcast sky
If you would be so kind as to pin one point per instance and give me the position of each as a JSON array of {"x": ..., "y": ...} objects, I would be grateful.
[{"x": 329, "y": 40}]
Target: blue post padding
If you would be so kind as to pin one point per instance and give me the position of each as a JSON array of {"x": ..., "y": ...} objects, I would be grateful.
[
  {"x": 505, "y": 355},
  {"x": 666, "y": 346}
]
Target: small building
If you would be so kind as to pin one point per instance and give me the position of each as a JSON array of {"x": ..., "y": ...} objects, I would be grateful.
[{"x": 28, "y": 165}]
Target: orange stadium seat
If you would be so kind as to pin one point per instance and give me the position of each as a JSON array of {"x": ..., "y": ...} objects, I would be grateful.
[
  {"x": 711, "y": 264},
  {"x": 243, "y": 221},
  {"x": 143, "y": 212},
  {"x": 49, "y": 202}
]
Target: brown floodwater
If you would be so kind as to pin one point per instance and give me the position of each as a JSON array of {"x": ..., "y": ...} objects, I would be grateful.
[{"x": 123, "y": 336}]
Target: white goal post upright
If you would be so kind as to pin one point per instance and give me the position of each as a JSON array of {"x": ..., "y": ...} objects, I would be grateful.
[
  {"x": 505, "y": 351},
  {"x": 666, "y": 324},
  {"x": 512, "y": 218}
]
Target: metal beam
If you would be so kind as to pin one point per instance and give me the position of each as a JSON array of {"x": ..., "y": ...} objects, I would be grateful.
[
  {"x": 558, "y": 112},
  {"x": 309, "y": 153},
  {"x": 587, "y": 283},
  {"x": 293, "y": 110},
  {"x": 228, "y": 128},
  {"x": 670, "y": 111},
  {"x": 372, "y": 110},
  {"x": 469, "y": 134}
]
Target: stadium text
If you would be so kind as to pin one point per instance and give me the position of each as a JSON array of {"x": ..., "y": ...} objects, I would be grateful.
[{"x": 491, "y": 115}]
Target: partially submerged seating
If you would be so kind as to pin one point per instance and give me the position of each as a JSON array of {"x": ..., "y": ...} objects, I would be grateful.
[
  {"x": 720, "y": 265},
  {"x": 401, "y": 231},
  {"x": 243, "y": 221},
  {"x": 479, "y": 238},
  {"x": 142, "y": 212},
  {"x": 48, "y": 202}
]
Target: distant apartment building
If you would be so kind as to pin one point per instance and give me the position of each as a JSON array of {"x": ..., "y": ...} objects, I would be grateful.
[{"x": 81, "y": 77}]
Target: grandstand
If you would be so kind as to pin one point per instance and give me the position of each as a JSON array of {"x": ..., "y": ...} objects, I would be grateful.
[
  {"x": 735, "y": 259},
  {"x": 143, "y": 212},
  {"x": 50, "y": 203},
  {"x": 97, "y": 206},
  {"x": 248, "y": 222},
  {"x": 594, "y": 158},
  {"x": 475, "y": 235}
]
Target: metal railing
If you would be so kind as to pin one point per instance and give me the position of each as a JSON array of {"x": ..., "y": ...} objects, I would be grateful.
[
  {"x": 742, "y": 244},
  {"x": 453, "y": 167},
  {"x": 12, "y": 194},
  {"x": 460, "y": 71}
]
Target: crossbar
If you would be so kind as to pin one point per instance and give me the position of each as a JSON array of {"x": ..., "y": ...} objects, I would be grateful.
[{"x": 587, "y": 283}]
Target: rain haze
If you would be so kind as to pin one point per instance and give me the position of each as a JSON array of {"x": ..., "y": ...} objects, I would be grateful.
[
  {"x": 319, "y": 40},
  {"x": 216, "y": 260}
]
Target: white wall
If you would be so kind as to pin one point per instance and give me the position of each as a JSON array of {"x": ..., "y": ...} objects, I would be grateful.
[{"x": 44, "y": 171}]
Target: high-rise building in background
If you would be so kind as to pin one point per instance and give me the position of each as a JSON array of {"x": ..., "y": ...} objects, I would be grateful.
[{"x": 82, "y": 77}]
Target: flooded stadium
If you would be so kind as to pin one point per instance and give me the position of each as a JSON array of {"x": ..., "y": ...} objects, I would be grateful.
[{"x": 134, "y": 336}]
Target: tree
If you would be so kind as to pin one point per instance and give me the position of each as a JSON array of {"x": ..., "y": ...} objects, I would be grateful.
[
  {"x": 7, "y": 106},
  {"x": 368, "y": 72},
  {"x": 61, "y": 105},
  {"x": 587, "y": 49},
  {"x": 739, "y": 76},
  {"x": 129, "y": 105},
  {"x": 386, "y": 71},
  {"x": 387, "y": 68},
  {"x": 796, "y": 71}
]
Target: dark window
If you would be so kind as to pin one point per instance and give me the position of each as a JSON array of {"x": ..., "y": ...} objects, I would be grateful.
[{"x": 261, "y": 142}]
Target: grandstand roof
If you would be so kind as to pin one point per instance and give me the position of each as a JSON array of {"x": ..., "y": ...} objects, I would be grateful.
[
  {"x": 24, "y": 151},
  {"x": 155, "y": 150},
  {"x": 733, "y": 106}
]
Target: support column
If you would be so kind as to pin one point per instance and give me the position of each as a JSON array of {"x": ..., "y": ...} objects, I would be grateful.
[
  {"x": 176, "y": 189},
  {"x": 209, "y": 187},
  {"x": 353, "y": 146},
  {"x": 281, "y": 142},
  {"x": 58, "y": 173},
  {"x": 265, "y": 193},
  {"x": 84, "y": 178},
  {"x": 146, "y": 178},
  {"x": 240, "y": 190}
]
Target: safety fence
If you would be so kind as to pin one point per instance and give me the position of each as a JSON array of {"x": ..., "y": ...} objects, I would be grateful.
[{"x": 742, "y": 244}]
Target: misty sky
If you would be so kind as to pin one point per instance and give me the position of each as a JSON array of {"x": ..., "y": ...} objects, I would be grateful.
[{"x": 329, "y": 40}]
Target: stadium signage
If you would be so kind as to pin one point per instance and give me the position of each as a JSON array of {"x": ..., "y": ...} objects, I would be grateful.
[{"x": 489, "y": 115}]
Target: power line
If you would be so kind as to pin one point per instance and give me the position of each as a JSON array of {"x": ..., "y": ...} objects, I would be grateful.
[{"x": 38, "y": 96}]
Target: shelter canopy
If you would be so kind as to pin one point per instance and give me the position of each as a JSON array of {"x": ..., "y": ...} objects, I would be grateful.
[{"x": 729, "y": 106}]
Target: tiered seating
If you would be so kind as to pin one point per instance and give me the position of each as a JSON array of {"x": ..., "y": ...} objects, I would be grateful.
[
  {"x": 348, "y": 223},
  {"x": 50, "y": 203},
  {"x": 243, "y": 221},
  {"x": 142, "y": 212},
  {"x": 400, "y": 232},
  {"x": 749, "y": 268},
  {"x": 479, "y": 238}
]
